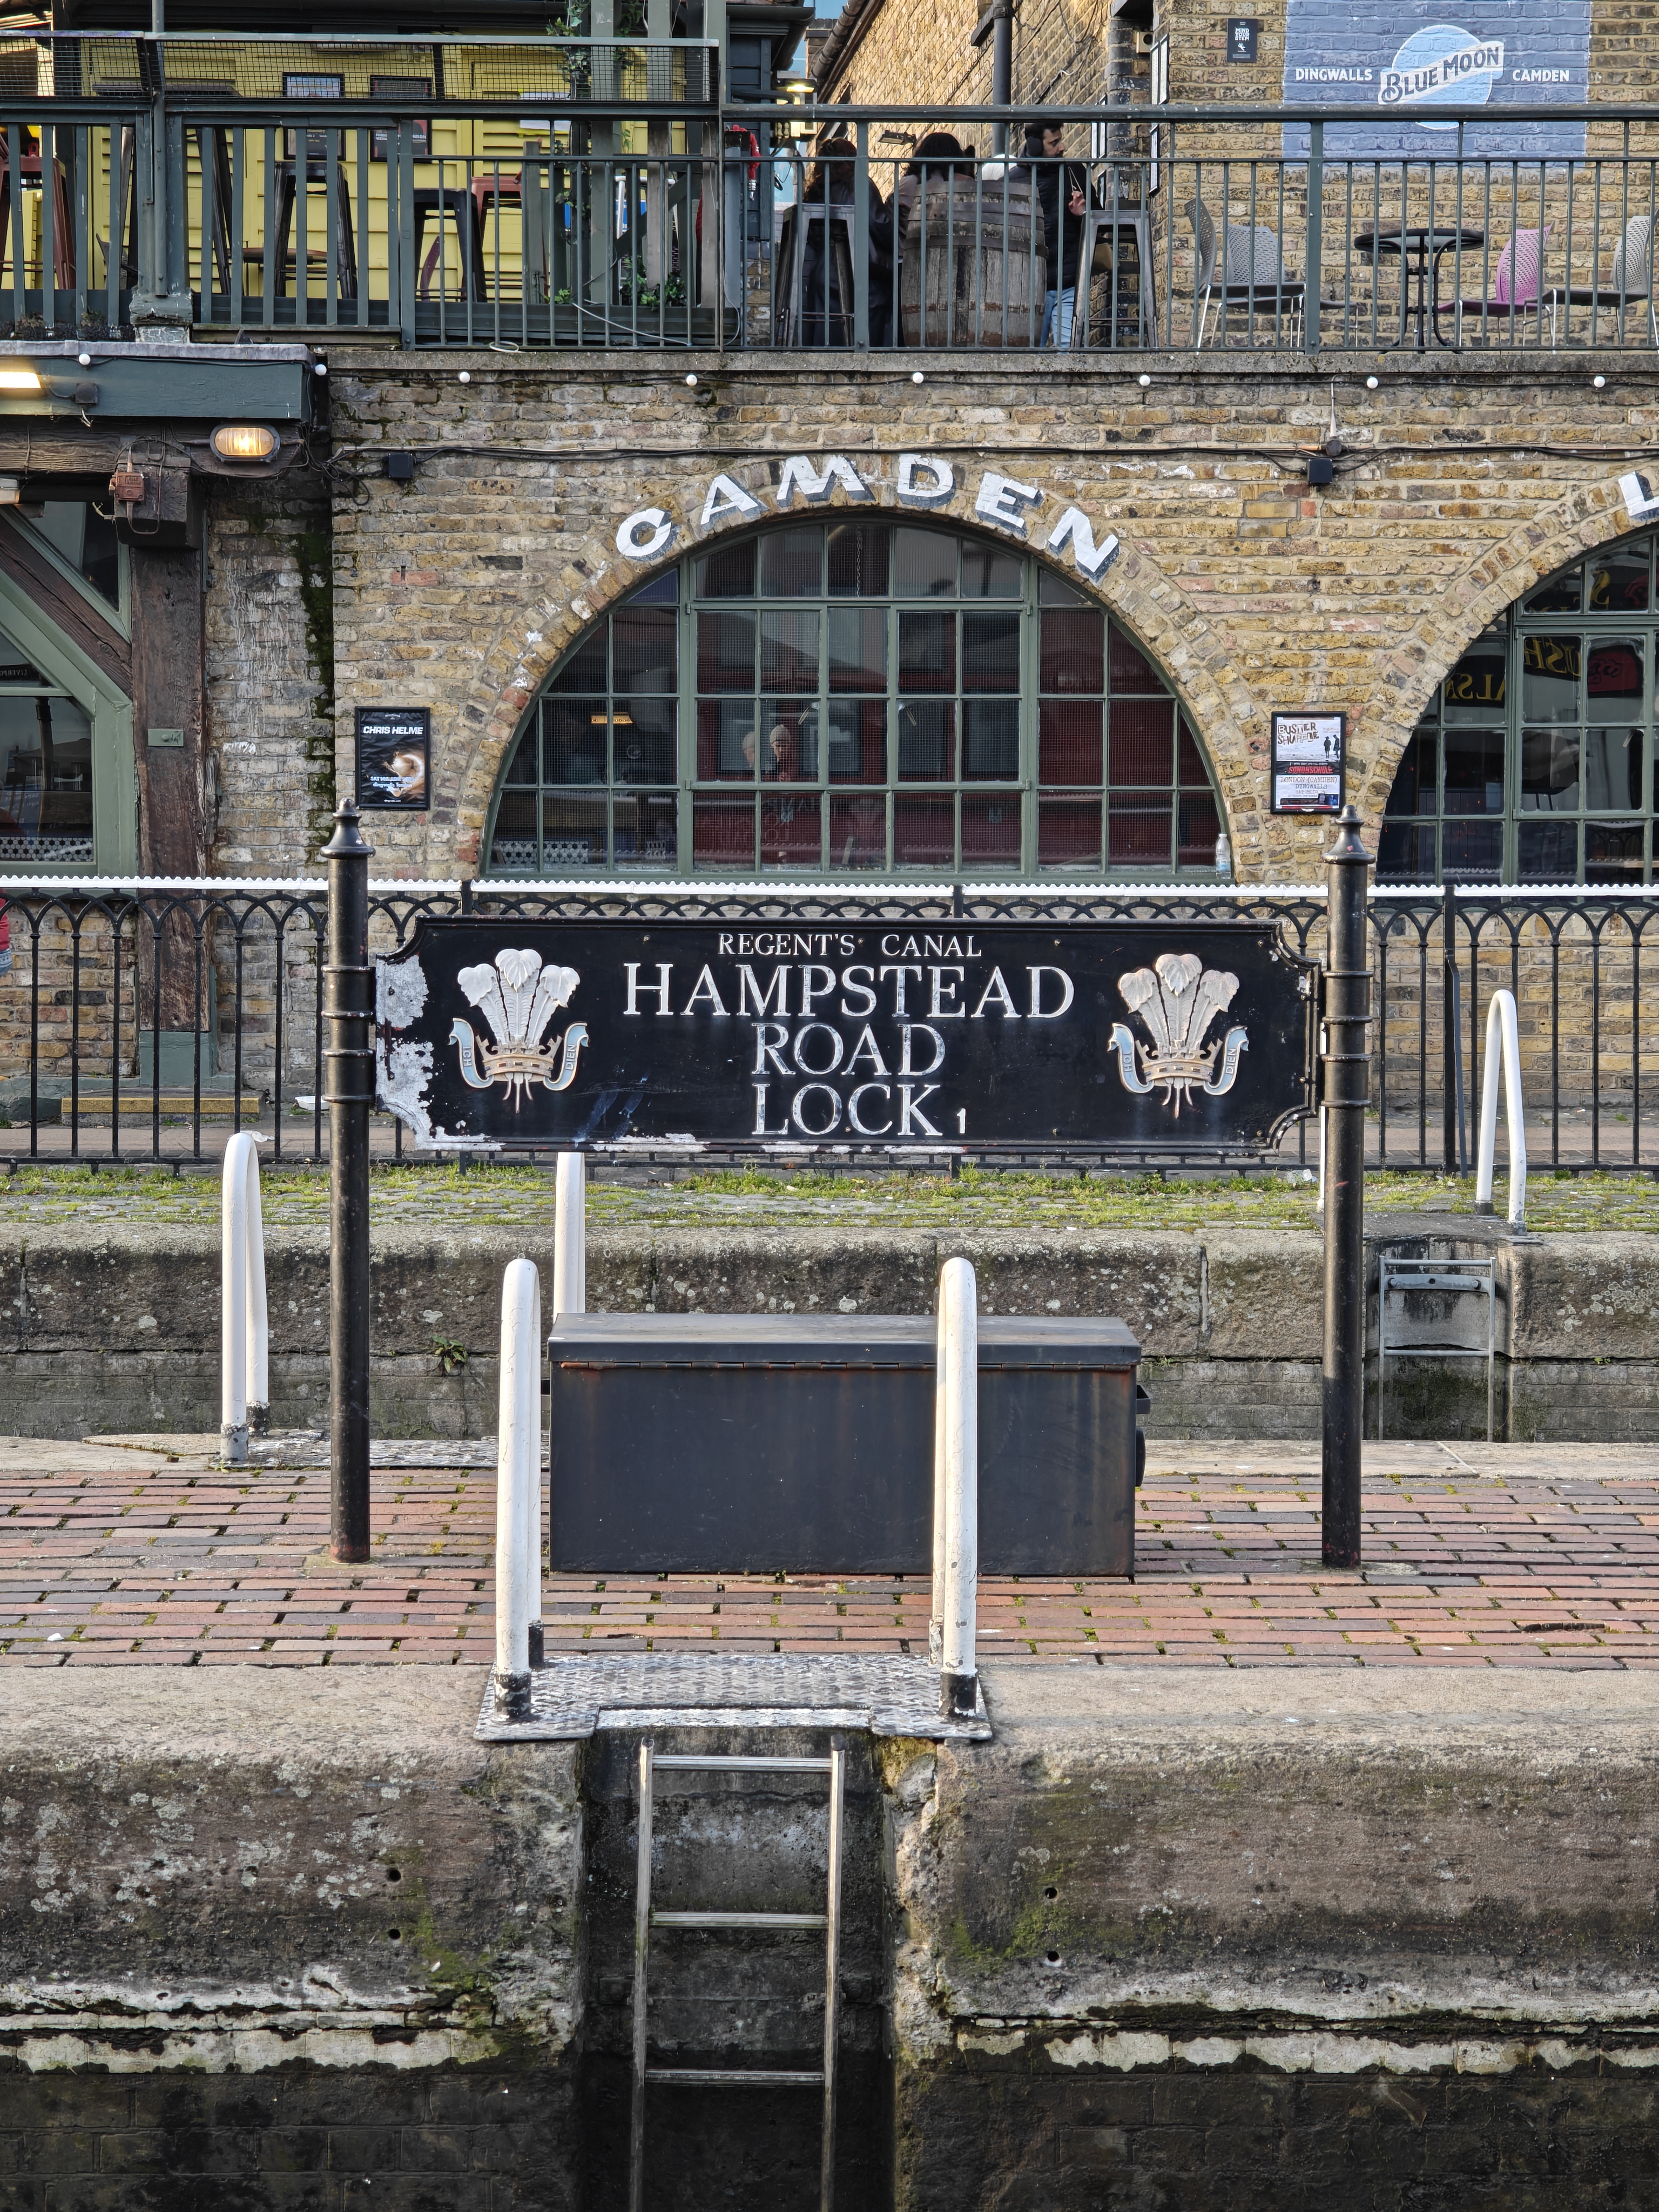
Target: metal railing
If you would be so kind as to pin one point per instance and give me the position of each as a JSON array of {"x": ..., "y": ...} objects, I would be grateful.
[
  {"x": 146, "y": 1023},
  {"x": 606, "y": 193}
]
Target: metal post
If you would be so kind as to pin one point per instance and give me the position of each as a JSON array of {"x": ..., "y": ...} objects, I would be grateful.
[
  {"x": 641, "y": 1960},
  {"x": 1451, "y": 1088},
  {"x": 1002, "y": 69},
  {"x": 349, "y": 1062},
  {"x": 959, "y": 1344},
  {"x": 570, "y": 1236},
  {"x": 1347, "y": 981},
  {"x": 1502, "y": 1058},
  {"x": 832, "y": 1973},
  {"x": 936, "y": 1621},
  {"x": 518, "y": 1490},
  {"x": 1311, "y": 278},
  {"x": 244, "y": 1339}
]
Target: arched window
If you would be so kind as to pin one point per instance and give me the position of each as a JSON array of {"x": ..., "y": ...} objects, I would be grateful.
[
  {"x": 856, "y": 697},
  {"x": 1533, "y": 761},
  {"x": 66, "y": 768}
]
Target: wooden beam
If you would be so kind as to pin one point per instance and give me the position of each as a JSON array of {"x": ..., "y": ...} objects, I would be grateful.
[{"x": 168, "y": 696}]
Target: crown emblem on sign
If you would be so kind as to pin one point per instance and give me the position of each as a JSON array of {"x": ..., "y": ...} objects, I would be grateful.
[
  {"x": 1178, "y": 997},
  {"x": 518, "y": 997}
]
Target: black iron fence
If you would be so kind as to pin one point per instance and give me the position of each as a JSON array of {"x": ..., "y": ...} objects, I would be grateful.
[
  {"x": 609, "y": 192},
  {"x": 149, "y": 1022}
]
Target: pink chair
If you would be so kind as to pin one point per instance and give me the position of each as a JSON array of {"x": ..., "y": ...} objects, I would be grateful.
[{"x": 1517, "y": 288}]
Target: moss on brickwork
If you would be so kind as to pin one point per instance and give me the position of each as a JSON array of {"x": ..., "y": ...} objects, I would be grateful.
[{"x": 314, "y": 552}]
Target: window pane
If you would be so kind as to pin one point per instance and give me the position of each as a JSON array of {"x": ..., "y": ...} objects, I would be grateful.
[
  {"x": 728, "y": 573},
  {"x": 642, "y": 832},
  {"x": 723, "y": 833},
  {"x": 1549, "y": 689},
  {"x": 1068, "y": 833},
  {"x": 1474, "y": 692},
  {"x": 988, "y": 572},
  {"x": 87, "y": 541},
  {"x": 924, "y": 565},
  {"x": 1143, "y": 741},
  {"x": 584, "y": 669},
  {"x": 1071, "y": 655},
  {"x": 1200, "y": 826},
  {"x": 662, "y": 590},
  {"x": 928, "y": 653},
  {"x": 990, "y": 653},
  {"x": 1474, "y": 772},
  {"x": 990, "y": 830},
  {"x": 1139, "y": 831},
  {"x": 1549, "y": 772},
  {"x": 574, "y": 740},
  {"x": 1130, "y": 669},
  {"x": 1472, "y": 852},
  {"x": 857, "y": 731},
  {"x": 1068, "y": 743},
  {"x": 522, "y": 767},
  {"x": 1053, "y": 591},
  {"x": 573, "y": 832},
  {"x": 927, "y": 741},
  {"x": 1549, "y": 852},
  {"x": 1613, "y": 851},
  {"x": 1404, "y": 852},
  {"x": 726, "y": 739},
  {"x": 1561, "y": 594},
  {"x": 790, "y": 753},
  {"x": 858, "y": 833},
  {"x": 924, "y": 833},
  {"x": 725, "y": 652},
  {"x": 990, "y": 740},
  {"x": 642, "y": 741},
  {"x": 642, "y": 648},
  {"x": 789, "y": 652},
  {"x": 858, "y": 649},
  {"x": 791, "y": 831},
  {"x": 1413, "y": 789},
  {"x": 1612, "y": 767},
  {"x": 858, "y": 560},
  {"x": 514, "y": 845},
  {"x": 1619, "y": 580},
  {"x": 1189, "y": 761},
  {"x": 792, "y": 564},
  {"x": 1613, "y": 675}
]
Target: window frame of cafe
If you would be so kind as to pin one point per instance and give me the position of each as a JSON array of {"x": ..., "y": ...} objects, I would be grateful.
[
  {"x": 1534, "y": 839},
  {"x": 69, "y": 673},
  {"x": 1025, "y": 822},
  {"x": 31, "y": 528}
]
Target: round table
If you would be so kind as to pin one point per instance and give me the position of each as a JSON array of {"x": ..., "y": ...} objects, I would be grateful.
[{"x": 1419, "y": 247}]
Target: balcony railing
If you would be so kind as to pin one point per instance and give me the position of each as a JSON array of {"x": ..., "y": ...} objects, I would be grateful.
[{"x": 600, "y": 193}]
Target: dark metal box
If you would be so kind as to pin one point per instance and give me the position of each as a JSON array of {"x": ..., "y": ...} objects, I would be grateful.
[{"x": 691, "y": 1443}]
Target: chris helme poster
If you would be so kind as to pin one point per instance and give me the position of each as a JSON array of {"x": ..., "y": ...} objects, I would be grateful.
[{"x": 1406, "y": 63}]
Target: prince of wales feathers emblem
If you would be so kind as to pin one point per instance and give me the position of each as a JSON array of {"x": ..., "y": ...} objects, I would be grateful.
[
  {"x": 1178, "y": 997},
  {"x": 518, "y": 997}
]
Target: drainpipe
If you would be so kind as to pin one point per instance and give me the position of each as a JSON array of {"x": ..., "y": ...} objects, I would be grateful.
[{"x": 1002, "y": 66}]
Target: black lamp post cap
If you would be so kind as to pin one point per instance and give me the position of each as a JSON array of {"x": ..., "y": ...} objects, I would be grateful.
[{"x": 348, "y": 840}]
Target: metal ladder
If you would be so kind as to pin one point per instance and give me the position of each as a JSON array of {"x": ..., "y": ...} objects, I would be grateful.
[{"x": 646, "y": 1919}]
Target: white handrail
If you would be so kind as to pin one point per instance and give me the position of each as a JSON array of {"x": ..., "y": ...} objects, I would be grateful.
[
  {"x": 570, "y": 1235},
  {"x": 1502, "y": 1058},
  {"x": 244, "y": 1333},
  {"x": 955, "y": 1589},
  {"x": 519, "y": 1490}
]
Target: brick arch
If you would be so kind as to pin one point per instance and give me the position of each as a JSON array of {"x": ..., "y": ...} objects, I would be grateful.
[
  {"x": 1588, "y": 516},
  {"x": 1188, "y": 651}
]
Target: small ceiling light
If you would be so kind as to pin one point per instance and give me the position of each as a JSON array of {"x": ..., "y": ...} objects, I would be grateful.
[
  {"x": 1600, "y": 382},
  {"x": 18, "y": 377},
  {"x": 1371, "y": 383},
  {"x": 692, "y": 382},
  {"x": 916, "y": 377},
  {"x": 85, "y": 360},
  {"x": 466, "y": 376},
  {"x": 244, "y": 441},
  {"x": 320, "y": 368}
]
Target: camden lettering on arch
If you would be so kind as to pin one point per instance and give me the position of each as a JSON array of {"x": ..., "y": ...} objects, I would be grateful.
[
  {"x": 919, "y": 481},
  {"x": 595, "y": 1034}
]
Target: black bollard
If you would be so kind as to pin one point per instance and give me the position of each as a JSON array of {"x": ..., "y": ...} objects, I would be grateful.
[
  {"x": 1347, "y": 1088},
  {"x": 349, "y": 1094}
]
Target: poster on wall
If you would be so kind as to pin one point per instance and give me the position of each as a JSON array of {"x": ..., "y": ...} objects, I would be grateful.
[
  {"x": 1407, "y": 60},
  {"x": 394, "y": 750},
  {"x": 1307, "y": 762}
]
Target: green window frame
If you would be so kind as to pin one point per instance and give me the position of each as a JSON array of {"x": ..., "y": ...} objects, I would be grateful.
[
  {"x": 83, "y": 819},
  {"x": 859, "y": 697},
  {"x": 1533, "y": 762}
]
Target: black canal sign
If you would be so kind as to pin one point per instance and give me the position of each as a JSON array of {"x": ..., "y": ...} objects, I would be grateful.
[{"x": 572, "y": 1034}]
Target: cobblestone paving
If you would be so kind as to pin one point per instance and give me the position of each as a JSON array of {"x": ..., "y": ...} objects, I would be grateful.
[{"x": 1517, "y": 1555}]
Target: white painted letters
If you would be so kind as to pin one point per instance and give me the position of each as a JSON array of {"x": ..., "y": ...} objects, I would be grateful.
[
  {"x": 1003, "y": 500},
  {"x": 799, "y": 476},
  {"x": 1073, "y": 529},
  {"x": 645, "y": 534},
  {"x": 924, "y": 480},
  {"x": 726, "y": 496}
]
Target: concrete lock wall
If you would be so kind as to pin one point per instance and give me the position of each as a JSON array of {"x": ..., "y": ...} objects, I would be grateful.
[
  {"x": 114, "y": 1329},
  {"x": 284, "y": 1939}
]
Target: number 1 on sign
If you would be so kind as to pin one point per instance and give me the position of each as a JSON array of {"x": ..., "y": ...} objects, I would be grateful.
[{"x": 961, "y": 1121}]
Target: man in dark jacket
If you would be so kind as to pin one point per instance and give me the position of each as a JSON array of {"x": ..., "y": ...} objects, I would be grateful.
[{"x": 1062, "y": 188}]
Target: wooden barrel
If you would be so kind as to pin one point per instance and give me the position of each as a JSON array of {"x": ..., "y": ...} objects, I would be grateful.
[{"x": 975, "y": 272}]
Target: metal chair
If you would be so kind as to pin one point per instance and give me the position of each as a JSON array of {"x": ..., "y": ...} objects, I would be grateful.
[
  {"x": 1630, "y": 280},
  {"x": 1252, "y": 269}
]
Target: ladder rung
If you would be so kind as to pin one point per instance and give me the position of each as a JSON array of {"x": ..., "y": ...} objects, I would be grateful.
[
  {"x": 733, "y": 1764},
  {"x": 739, "y": 1920},
  {"x": 718, "y": 2077}
]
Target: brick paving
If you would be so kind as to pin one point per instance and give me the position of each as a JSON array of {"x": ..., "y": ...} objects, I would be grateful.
[{"x": 1507, "y": 1556}]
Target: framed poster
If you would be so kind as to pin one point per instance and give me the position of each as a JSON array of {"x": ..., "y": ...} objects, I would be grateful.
[
  {"x": 394, "y": 754},
  {"x": 1309, "y": 752}
]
